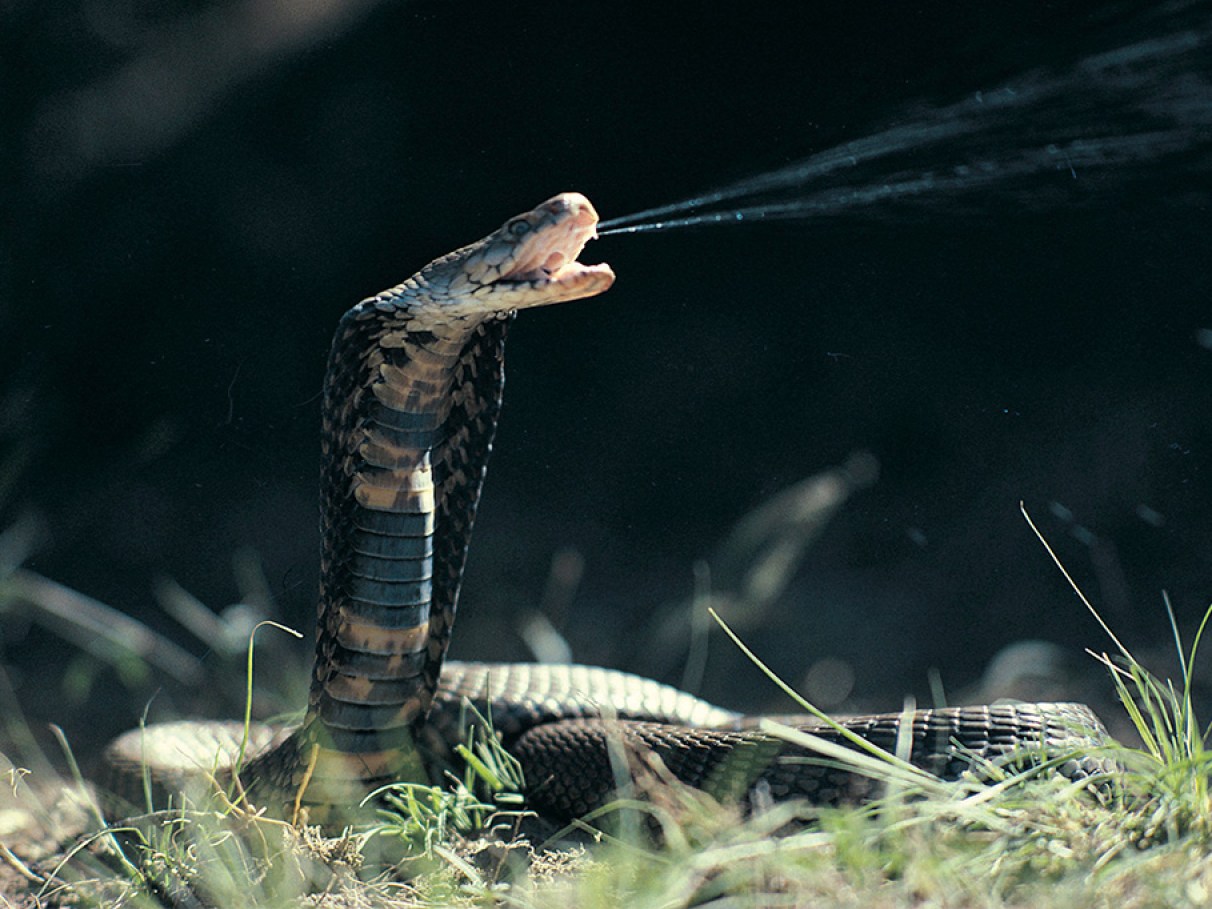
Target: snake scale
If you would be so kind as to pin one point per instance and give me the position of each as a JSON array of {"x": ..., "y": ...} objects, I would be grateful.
[{"x": 411, "y": 401}]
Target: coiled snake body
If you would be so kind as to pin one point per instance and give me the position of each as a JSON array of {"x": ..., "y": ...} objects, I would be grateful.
[{"x": 412, "y": 395}]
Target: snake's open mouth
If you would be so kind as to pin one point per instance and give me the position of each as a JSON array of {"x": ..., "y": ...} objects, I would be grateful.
[
  {"x": 557, "y": 268},
  {"x": 545, "y": 259},
  {"x": 567, "y": 281},
  {"x": 561, "y": 273}
]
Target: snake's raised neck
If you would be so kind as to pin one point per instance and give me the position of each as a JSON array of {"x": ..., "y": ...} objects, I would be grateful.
[{"x": 411, "y": 400}]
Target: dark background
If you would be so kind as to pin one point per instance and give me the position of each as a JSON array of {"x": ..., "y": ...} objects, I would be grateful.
[{"x": 193, "y": 197}]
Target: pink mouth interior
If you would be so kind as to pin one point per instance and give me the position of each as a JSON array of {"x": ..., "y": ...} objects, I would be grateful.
[{"x": 553, "y": 254}]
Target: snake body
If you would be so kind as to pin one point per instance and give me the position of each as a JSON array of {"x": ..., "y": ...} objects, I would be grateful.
[{"x": 412, "y": 397}]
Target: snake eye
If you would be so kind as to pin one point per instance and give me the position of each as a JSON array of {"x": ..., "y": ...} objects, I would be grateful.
[{"x": 519, "y": 228}]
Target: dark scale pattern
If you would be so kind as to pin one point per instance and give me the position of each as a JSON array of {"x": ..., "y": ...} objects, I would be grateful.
[
  {"x": 551, "y": 718},
  {"x": 568, "y": 767},
  {"x": 520, "y": 696},
  {"x": 459, "y": 468},
  {"x": 345, "y": 395},
  {"x": 396, "y": 566}
]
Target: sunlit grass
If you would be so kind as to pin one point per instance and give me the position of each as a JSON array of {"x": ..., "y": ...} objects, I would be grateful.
[
  {"x": 1024, "y": 839},
  {"x": 1021, "y": 838},
  {"x": 422, "y": 820},
  {"x": 999, "y": 837}
]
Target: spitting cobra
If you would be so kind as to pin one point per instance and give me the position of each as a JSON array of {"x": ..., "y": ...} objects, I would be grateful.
[{"x": 412, "y": 395}]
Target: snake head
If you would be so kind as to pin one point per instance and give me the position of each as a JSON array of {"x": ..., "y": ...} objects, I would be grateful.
[{"x": 531, "y": 260}]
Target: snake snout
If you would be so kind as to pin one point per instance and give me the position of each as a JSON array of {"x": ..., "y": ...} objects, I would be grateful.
[{"x": 581, "y": 209}]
